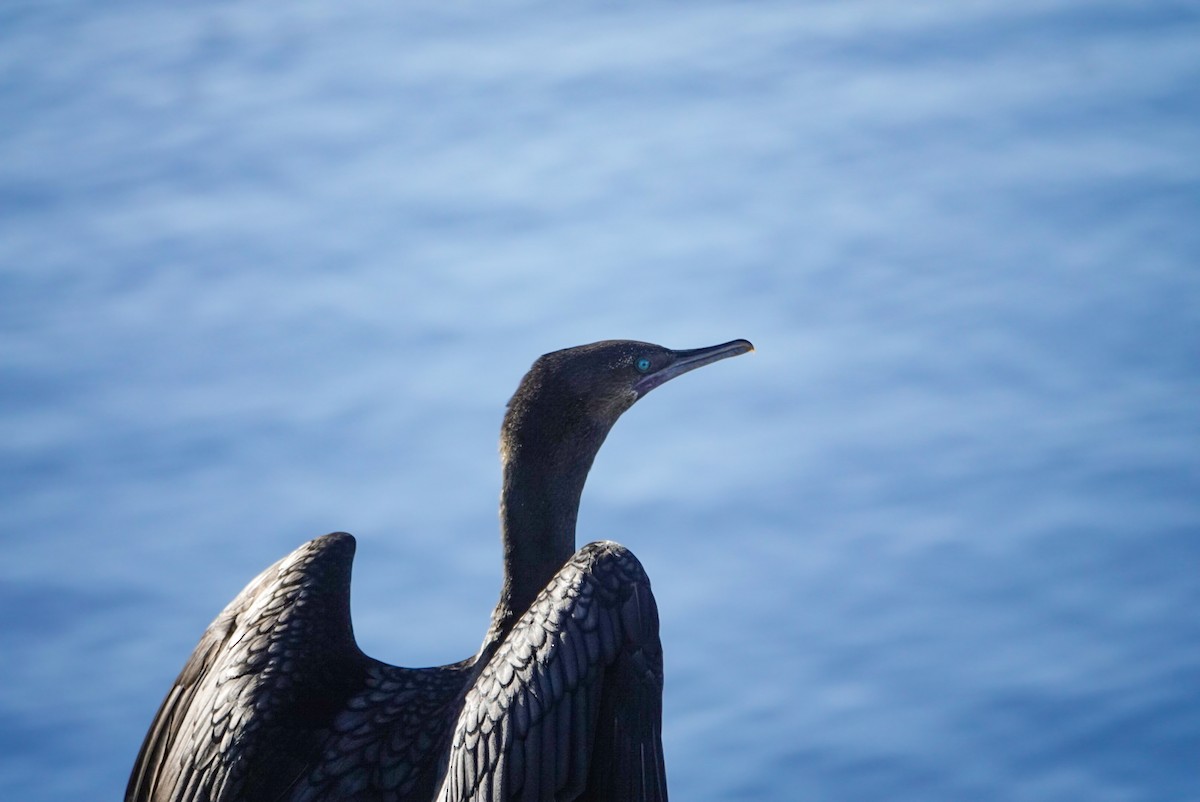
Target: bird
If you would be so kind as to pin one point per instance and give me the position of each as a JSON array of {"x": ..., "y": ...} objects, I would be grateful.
[{"x": 563, "y": 701}]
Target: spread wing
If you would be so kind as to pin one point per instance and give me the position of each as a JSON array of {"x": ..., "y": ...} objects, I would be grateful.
[
  {"x": 254, "y": 701},
  {"x": 277, "y": 702},
  {"x": 570, "y": 705}
]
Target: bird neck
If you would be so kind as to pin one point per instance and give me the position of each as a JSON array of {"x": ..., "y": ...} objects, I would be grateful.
[{"x": 543, "y": 479}]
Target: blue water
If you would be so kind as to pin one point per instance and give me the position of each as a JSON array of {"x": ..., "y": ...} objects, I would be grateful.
[{"x": 272, "y": 270}]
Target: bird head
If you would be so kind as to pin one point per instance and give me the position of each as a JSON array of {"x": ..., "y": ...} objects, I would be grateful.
[{"x": 589, "y": 386}]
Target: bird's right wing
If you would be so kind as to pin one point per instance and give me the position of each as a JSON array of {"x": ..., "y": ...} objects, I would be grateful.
[{"x": 570, "y": 705}]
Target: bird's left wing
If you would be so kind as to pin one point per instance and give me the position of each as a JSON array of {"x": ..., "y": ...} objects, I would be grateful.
[
  {"x": 570, "y": 704},
  {"x": 249, "y": 708}
]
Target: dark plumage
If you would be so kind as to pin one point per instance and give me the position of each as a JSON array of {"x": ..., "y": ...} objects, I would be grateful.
[{"x": 563, "y": 701}]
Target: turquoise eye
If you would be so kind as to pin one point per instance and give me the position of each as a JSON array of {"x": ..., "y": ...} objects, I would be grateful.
[{"x": 642, "y": 365}]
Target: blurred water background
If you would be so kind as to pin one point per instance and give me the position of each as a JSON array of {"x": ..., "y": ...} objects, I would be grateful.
[{"x": 270, "y": 270}]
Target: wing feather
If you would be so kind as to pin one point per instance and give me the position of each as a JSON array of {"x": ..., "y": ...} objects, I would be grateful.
[
  {"x": 570, "y": 704},
  {"x": 254, "y": 684},
  {"x": 277, "y": 702}
]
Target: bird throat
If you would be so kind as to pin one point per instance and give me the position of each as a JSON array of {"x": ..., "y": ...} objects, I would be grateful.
[{"x": 543, "y": 479}]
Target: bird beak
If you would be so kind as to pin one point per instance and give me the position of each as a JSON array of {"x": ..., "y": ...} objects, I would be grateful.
[{"x": 690, "y": 360}]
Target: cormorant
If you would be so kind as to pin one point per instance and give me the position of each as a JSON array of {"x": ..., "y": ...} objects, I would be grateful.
[{"x": 562, "y": 702}]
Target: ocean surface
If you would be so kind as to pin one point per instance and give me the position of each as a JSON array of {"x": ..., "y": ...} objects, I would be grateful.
[{"x": 270, "y": 270}]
